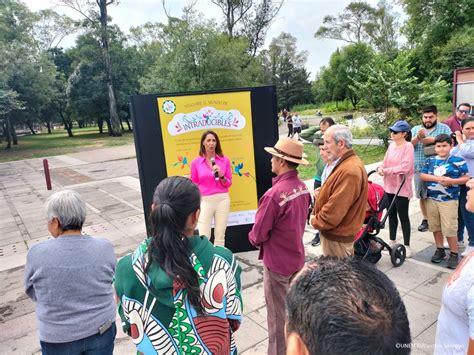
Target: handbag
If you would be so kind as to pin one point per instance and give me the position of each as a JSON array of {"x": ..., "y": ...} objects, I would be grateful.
[{"x": 429, "y": 150}]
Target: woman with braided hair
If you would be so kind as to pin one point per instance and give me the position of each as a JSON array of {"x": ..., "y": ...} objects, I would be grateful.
[{"x": 176, "y": 292}]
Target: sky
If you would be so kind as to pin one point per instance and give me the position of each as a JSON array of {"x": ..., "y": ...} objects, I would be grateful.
[{"x": 300, "y": 18}]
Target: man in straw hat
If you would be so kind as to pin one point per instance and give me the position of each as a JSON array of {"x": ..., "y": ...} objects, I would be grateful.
[
  {"x": 278, "y": 233},
  {"x": 341, "y": 202}
]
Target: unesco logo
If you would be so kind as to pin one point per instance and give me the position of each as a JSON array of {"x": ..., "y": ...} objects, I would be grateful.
[{"x": 169, "y": 106}]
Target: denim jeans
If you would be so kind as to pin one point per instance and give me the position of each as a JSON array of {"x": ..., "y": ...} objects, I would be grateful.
[
  {"x": 97, "y": 344},
  {"x": 468, "y": 217}
]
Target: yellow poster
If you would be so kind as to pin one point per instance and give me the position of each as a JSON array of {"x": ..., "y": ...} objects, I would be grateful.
[{"x": 184, "y": 119}]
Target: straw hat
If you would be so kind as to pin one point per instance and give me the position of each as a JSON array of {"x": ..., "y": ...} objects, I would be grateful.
[{"x": 288, "y": 149}]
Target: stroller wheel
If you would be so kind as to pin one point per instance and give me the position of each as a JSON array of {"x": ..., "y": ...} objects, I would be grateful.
[{"x": 398, "y": 254}]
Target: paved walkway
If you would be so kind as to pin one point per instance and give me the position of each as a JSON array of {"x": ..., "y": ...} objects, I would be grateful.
[{"x": 108, "y": 180}]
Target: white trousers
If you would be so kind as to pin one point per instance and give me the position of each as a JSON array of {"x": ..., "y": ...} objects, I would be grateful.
[{"x": 215, "y": 206}]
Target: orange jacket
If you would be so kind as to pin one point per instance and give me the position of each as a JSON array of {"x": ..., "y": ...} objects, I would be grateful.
[{"x": 341, "y": 204}]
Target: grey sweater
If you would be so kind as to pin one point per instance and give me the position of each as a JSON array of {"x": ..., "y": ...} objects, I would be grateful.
[{"x": 70, "y": 279}]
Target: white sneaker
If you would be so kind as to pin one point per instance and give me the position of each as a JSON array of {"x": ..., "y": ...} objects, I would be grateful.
[
  {"x": 408, "y": 252},
  {"x": 468, "y": 251},
  {"x": 392, "y": 243}
]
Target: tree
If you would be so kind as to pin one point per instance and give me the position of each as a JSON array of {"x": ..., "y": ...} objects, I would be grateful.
[
  {"x": 86, "y": 84},
  {"x": 457, "y": 53},
  {"x": 362, "y": 23},
  {"x": 8, "y": 102},
  {"x": 26, "y": 70},
  {"x": 345, "y": 66},
  {"x": 88, "y": 9},
  {"x": 193, "y": 55},
  {"x": 249, "y": 19},
  {"x": 432, "y": 23},
  {"x": 60, "y": 105},
  {"x": 383, "y": 29},
  {"x": 354, "y": 58},
  {"x": 430, "y": 26},
  {"x": 391, "y": 84},
  {"x": 285, "y": 69},
  {"x": 348, "y": 26},
  {"x": 51, "y": 28}
]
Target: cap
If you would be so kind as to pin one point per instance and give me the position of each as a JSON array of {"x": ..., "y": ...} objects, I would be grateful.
[{"x": 400, "y": 126}]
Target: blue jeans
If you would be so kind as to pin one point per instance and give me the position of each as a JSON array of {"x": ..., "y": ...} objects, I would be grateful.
[
  {"x": 467, "y": 217},
  {"x": 97, "y": 344}
]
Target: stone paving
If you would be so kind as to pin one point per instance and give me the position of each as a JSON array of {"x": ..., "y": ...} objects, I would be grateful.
[{"x": 108, "y": 180}]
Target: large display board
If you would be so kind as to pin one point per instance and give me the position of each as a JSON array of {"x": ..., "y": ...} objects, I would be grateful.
[{"x": 168, "y": 128}]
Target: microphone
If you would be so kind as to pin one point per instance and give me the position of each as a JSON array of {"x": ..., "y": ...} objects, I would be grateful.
[{"x": 216, "y": 174}]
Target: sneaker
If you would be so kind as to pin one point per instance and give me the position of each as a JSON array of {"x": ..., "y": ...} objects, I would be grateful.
[
  {"x": 461, "y": 244},
  {"x": 438, "y": 256},
  {"x": 468, "y": 251},
  {"x": 316, "y": 240},
  {"x": 408, "y": 252},
  {"x": 453, "y": 260},
  {"x": 392, "y": 243},
  {"x": 423, "y": 227}
]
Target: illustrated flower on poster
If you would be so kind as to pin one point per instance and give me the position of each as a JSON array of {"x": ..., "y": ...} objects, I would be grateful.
[
  {"x": 183, "y": 161},
  {"x": 238, "y": 170}
]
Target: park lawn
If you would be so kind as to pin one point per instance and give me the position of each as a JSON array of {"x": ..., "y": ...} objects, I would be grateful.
[
  {"x": 369, "y": 154},
  {"x": 57, "y": 143}
]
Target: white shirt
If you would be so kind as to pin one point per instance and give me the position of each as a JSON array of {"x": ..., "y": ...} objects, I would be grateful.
[
  {"x": 456, "y": 317},
  {"x": 296, "y": 121}
]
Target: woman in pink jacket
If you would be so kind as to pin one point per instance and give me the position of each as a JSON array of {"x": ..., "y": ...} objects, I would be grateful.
[
  {"x": 212, "y": 173},
  {"x": 398, "y": 161}
]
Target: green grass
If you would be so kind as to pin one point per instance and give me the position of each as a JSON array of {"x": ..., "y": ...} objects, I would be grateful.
[
  {"x": 369, "y": 154},
  {"x": 57, "y": 143}
]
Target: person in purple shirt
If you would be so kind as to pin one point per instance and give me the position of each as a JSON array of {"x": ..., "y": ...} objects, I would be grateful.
[
  {"x": 212, "y": 173},
  {"x": 278, "y": 233},
  {"x": 455, "y": 120}
]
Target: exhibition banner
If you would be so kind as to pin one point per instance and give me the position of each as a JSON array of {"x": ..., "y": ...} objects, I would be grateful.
[{"x": 185, "y": 118}]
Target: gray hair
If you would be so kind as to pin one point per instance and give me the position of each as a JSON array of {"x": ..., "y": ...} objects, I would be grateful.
[
  {"x": 342, "y": 133},
  {"x": 68, "y": 207}
]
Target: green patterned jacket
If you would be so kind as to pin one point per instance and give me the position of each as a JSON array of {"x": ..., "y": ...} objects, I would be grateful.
[{"x": 157, "y": 315}]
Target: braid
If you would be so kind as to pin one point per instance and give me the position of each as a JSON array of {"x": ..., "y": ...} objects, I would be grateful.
[{"x": 175, "y": 200}]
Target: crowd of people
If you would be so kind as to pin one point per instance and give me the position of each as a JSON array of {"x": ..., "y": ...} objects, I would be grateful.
[{"x": 179, "y": 293}]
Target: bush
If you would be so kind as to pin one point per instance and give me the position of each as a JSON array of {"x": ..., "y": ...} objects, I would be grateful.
[
  {"x": 308, "y": 133},
  {"x": 336, "y": 106},
  {"x": 304, "y": 107},
  {"x": 366, "y": 132}
]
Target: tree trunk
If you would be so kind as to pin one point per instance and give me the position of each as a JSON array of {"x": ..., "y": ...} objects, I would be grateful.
[
  {"x": 48, "y": 125},
  {"x": 109, "y": 127},
  {"x": 7, "y": 132},
  {"x": 69, "y": 129},
  {"x": 28, "y": 123},
  {"x": 10, "y": 134},
  {"x": 67, "y": 124},
  {"x": 128, "y": 124},
  {"x": 121, "y": 125},
  {"x": 114, "y": 119},
  {"x": 100, "y": 123}
]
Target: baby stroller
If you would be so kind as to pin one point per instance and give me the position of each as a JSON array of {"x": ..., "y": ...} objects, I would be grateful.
[{"x": 367, "y": 244}]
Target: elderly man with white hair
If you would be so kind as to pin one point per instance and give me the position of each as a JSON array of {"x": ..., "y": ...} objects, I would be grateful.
[
  {"x": 70, "y": 279},
  {"x": 341, "y": 201}
]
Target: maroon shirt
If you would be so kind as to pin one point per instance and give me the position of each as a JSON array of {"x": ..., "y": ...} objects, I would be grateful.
[
  {"x": 454, "y": 123},
  {"x": 280, "y": 222}
]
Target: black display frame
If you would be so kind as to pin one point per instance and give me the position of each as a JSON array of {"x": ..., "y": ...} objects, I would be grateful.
[{"x": 150, "y": 150}]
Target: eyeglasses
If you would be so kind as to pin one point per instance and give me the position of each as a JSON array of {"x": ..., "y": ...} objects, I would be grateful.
[{"x": 464, "y": 111}]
